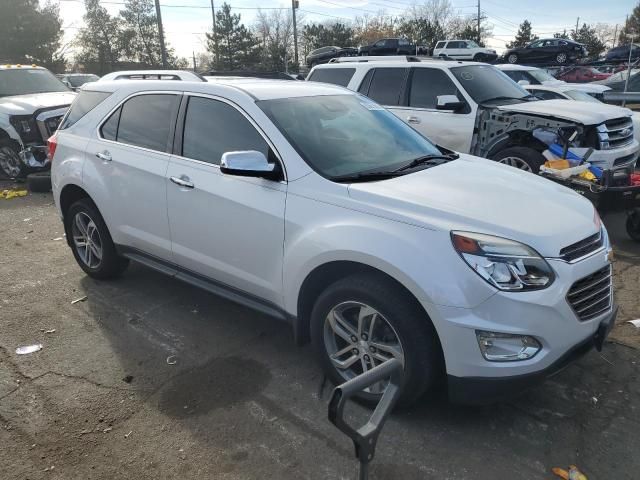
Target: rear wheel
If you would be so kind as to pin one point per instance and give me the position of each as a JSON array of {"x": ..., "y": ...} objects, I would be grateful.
[
  {"x": 633, "y": 226},
  {"x": 561, "y": 58},
  {"x": 478, "y": 57},
  {"x": 91, "y": 242},
  {"x": 364, "y": 320},
  {"x": 523, "y": 158},
  {"x": 10, "y": 162},
  {"x": 512, "y": 58}
]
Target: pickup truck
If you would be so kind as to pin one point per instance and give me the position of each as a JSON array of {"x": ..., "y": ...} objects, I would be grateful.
[
  {"x": 475, "y": 108},
  {"x": 392, "y": 46},
  {"x": 32, "y": 103}
]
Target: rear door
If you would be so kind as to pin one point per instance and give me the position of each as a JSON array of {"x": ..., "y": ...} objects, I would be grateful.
[
  {"x": 385, "y": 85},
  {"x": 226, "y": 228},
  {"x": 130, "y": 155}
]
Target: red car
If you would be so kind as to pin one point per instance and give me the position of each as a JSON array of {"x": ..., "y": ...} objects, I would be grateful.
[{"x": 582, "y": 75}]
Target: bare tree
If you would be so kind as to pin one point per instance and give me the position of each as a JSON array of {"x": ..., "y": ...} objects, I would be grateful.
[{"x": 274, "y": 29}]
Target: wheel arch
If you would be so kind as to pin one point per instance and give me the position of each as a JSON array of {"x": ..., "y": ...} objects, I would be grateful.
[{"x": 516, "y": 138}]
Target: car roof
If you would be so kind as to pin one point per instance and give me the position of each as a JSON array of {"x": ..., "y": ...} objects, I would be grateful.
[
  {"x": 508, "y": 66},
  {"x": 258, "y": 89}
]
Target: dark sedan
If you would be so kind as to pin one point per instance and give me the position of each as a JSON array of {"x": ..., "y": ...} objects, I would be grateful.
[
  {"x": 547, "y": 50},
  {"x": 621, "y": 53},
  {"x": 324, "y": 54}
]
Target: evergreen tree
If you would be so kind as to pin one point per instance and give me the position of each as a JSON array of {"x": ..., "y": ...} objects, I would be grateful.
[
  {"x": 100, "y": 40},
  {"x": 238, "y": 48},
  {"x": 524, "y": 36},
  {"x": 422, "y": 31},
  {"x": 140, "y": 34},
  {"x": 588, "y": 37},
  {"x": 631, "y": 27}
]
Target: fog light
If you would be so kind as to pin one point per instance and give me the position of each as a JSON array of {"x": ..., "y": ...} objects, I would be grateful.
[{"x": 504, "y": 347}]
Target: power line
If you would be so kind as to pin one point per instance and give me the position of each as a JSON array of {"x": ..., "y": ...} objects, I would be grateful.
[{"x": 113, "y": 2}]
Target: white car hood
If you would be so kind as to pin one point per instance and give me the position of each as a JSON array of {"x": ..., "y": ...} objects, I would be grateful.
[
  {"x": 585, "y": 113},
  {"x": 474, "y": 194},
  {"x": 27, "y": 104}
]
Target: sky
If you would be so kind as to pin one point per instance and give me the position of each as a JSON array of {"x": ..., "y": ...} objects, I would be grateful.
[{"x": 186, "y": 21}]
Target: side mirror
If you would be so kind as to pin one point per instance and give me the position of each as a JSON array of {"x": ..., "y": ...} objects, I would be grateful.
[
  {"x": 248, "y": 163},
  {"x": 449, "y": 102},
  {"x": 524, "y": 82}
]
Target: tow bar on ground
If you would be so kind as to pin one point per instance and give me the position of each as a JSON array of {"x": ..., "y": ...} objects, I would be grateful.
[{"x": 365, "y": 438}]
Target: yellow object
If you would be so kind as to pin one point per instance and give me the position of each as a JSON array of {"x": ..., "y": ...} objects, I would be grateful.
[
  {"x": 572, "y": 474},
  {"x": 9, "y": 194},
  {"x": 587, "y": 175},
  {"x": 557, "y": 164}
]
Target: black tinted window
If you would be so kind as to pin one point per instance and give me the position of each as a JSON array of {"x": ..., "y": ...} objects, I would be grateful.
[
  {"x": 145, "y": 121},
  {"x": 427, "y": 84},
  {"x": 336, "y": 76},
  {"x": 547, "y": 95},
  {"x": 386, "y": 85},
  {"x": 83, "y": 104},
  {"x": 109, "y": 128},
  {"x": 212, "y": 128},
  {"x": 364, "y": 86}
]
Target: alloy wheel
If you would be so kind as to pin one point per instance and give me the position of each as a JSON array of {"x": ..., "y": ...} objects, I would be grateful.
[
  {"x": 561, "y": 58},
  {"x": 516, "y": 162},
  {"x": 10, "y": 162},
  {"x": 358, "y": 338},
  {"x": 513, "y": 58},
  {"x": 86, "y": 240}
]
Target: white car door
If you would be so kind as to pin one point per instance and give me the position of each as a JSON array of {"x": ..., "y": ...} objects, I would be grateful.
[
  {"x": 448, "y": 128},
  {"x": 130, "y": 156},
  {"x": 226, "y": 228}
]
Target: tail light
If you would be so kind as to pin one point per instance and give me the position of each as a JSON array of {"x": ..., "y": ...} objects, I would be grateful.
[{"x": 52, "y": 143}]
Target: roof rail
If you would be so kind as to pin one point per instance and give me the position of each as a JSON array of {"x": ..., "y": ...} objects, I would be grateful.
[
  {"x": 379, "y": 58},
  {"x": 183, "y": 75}
]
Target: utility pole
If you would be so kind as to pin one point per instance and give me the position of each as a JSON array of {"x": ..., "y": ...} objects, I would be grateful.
[
  {"x": 193, "y": 53},
  {"x": 478, "y": 22},
  {"x": 615, "y": 36},
  {"x": 163, "y": 48},
  {"x": 577, "y": 22},
  {"x": 295, "y": 4},
  {"x": 215, "y": 36}
]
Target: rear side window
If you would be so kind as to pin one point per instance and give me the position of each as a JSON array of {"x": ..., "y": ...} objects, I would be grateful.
[
  {"x": 83, "y": 104},
  {"x": 144, "y": 121},
  {"x": 386, "y": 85},
  {"x": 427, "y": 84},
  {"x": 336, "y": 76},
  {"x": 212, "y": 128}
]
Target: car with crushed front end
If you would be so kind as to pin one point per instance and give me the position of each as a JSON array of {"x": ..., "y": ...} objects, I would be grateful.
[
  {"x": 32, "y": 103},
  {"x": 318, "y": 207}
]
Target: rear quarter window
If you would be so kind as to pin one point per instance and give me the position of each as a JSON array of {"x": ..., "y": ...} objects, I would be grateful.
[
  {"x": 335, "y": 76},
  {"x": 440, "y": 44},
  {"x": 83, "y": 104}
]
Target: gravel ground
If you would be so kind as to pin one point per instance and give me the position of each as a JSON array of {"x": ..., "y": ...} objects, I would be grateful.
[{"x": 241, "y": 401}]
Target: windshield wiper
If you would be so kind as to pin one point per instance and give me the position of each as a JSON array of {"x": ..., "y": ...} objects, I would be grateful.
[
  {"x": 431, "y": 160},
  {"x": 365, "y": 177}
]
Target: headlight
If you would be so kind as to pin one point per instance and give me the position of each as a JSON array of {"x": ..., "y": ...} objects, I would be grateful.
[
  {"x": 505, "y": 264},
  {"x": 26, "y": 127}
]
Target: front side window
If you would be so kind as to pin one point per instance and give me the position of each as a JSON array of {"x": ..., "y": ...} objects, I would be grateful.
[
  {"x": 486, "y": 83},
  {"x": 335, "y": 76},
  {"x": 386, "y": 85},
  {"x": 427, "y": 84},
  {"x": 212, "y": 127},
  {"x": 82, "y": 104},
  {"x": 440, "y": 44},
  {"x": 144, "y": 121},
  {"x": 340, "y": 135}
]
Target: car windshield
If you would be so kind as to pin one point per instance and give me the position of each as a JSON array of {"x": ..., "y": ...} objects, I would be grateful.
[
  {"x": 346, "y": 135},
  {"x": 541, "y": 76},
  {"x": 581, "y": 96},
  {"x": 485, "y": 83},
  {"x": 79, "y": 80},
  {"x": 25, "y": 81}
]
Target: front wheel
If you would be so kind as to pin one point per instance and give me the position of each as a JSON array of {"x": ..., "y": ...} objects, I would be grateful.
[
  {"x": 10, "y": 162},
  {"x": 513, "y": 58},
  {"x": 633, "y": 226},
  {"x": 478, "y": 57},
  {"x": 364, "y": 320},
  {"x": 91, "y": 241},
  {"x": 522, "y": 158}
]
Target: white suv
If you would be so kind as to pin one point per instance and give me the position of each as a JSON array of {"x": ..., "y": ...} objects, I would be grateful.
[
  {"x": 317, "y": 206},
  {"x": 464, "y": 50}
]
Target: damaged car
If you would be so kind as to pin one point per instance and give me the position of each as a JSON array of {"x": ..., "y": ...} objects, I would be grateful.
[
  {"x": 32, "y": 103},
  {"x": 475, "y": 108}
]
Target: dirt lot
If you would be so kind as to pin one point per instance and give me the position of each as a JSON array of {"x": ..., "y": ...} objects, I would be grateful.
[{"x": 100, "y": 400}]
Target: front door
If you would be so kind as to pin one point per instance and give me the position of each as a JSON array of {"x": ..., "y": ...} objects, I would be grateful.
[{"x": 226, "y": 228}]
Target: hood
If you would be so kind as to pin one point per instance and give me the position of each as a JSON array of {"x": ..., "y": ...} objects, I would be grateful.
[
  {"x": 27, "y": 104},
  {"x": 585, "y": 113},
  {"x": 474, "y": 194}
]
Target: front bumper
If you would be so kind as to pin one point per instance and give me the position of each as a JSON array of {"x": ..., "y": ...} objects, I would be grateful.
[
  {"x": 486, "y": 390},
  {"x": 614, "y": 158}
]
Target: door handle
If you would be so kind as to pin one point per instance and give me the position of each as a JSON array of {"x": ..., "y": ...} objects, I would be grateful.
[
  {"x": 105, "y": 156},
  {"x": 183, "y": 181},
  {"x": 413, "y": 119}
]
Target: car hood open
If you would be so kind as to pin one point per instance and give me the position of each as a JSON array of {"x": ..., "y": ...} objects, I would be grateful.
[
  {"x": 27, "y": 104},
  {"x": 585, "y": 113},
  {"x": 474, "y": 194}
]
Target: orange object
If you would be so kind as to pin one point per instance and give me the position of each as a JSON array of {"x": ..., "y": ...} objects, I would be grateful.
[{"x": 557, "y": 164}]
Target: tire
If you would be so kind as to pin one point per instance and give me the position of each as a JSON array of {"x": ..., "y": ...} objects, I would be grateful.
[
  {"x": 561, "y": 58},
  {"x": 11, "y": 164},
  {"x": 523, "y": 158},
  {"x": 400, "y": 320},
  {"x": 512, "y": 58},
  {"x": 478, "y": 57},
  {"x": 39, "y": 182},
  {"x": 633, "y": 226},
  {"x": 109, "y": 264}
]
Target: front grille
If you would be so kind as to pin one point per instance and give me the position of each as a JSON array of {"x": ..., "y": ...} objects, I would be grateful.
[
  {"x": 615, "y": 133},
  {"x": 591, "y": 295},
  {"x": 582, "y": 248},
  {"x": 624, "y": 160}
]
